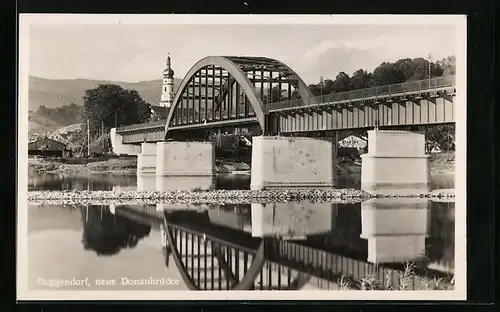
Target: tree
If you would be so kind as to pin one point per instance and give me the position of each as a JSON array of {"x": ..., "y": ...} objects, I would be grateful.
[
  {"x": 420, "y": 69},
  {"x": 109, "y": 104},
  {"x": 405, "y": 68},
  {"x": 315, "y": 89},
  {"x": 442, "y": 136},
  {"x": 360, "y": 79},
  {"x": 448, "y": 65},
  {"x": 387, "y": 74},
  {"x": 342, "y": 83},
  {"x": 328, "y": 85}
]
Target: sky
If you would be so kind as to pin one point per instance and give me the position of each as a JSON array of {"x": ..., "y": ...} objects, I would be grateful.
[{"x": 132, "y": 53}]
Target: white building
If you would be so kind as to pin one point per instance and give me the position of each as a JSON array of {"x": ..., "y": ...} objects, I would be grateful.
[{"x": 353, "y": 141}]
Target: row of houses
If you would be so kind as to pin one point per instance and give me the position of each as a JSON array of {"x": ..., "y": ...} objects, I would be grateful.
[{"x": 47, "y": 147}]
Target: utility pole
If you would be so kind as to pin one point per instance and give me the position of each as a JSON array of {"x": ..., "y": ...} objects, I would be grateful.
[
  {"x": 321, "y": 85},
  {"x": 88, "y": 138},
  {"x": 430, "y": 59}
]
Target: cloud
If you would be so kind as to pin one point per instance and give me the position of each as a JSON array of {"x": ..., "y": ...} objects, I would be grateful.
[
  {"x": 135, "y": 53},
  {"x": 329, "y": 57}
]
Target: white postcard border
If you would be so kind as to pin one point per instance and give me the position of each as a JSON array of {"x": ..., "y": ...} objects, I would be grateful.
[{"x": 460, "y": 168}]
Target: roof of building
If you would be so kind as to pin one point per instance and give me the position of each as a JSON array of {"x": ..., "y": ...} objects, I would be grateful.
[
  {"x": 40, "y": 140},
  {"x": 161, "y": 111},
  {"x": 168, "y": 72}
]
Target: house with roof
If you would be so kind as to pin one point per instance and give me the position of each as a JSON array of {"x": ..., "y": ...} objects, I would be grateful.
[
  {"x": 47, "y": 147},
  {"x": 159, "y": 113},
  {"x": 353, "y": 141}
]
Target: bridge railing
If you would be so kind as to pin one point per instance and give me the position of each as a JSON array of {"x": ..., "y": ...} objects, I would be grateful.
[{"x": 400, "y": 88}]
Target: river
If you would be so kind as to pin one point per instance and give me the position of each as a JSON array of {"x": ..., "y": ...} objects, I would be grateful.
[{"x": 308, "y": 245}]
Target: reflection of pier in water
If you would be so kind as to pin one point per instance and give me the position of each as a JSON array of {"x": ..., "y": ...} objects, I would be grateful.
[
  {"x": 396, "y": 230},
  {"x": 152, "y": 182},
  {"x": 291, "y": 246}
]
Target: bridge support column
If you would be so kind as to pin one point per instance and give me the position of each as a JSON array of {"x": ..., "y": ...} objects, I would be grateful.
[
  {"x": 292, "y": 162},
  {"x": 146, "y": 160},
  {"x": 394, "y": 228},
  {"x": 395, "y": 163},
  {"x": 146, "y": 182},
  {"x": 185, "y": 165}
]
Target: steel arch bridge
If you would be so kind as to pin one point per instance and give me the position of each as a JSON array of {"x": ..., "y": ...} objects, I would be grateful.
[
  {"x": 260, "y": 92},
  {"x": 223, "y": 90}
]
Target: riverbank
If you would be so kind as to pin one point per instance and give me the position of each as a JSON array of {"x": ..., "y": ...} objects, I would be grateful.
[
  {"x": 114, "y": 166},
  {"x": 249, "y": 196},
  {"x": 442, "y": 164}
]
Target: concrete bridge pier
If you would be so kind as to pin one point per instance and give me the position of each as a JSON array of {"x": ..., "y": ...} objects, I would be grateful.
[
  {"x": 146, "y": 182},
  {"x": 396, "y": 163},
  {"x": 146, "y": 160},
  {"x": 182, "y": 165},
  {"x": 292, "y": 162}
]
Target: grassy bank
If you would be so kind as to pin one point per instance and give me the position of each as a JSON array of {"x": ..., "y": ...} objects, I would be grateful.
[{"x": 414, "y": 275}]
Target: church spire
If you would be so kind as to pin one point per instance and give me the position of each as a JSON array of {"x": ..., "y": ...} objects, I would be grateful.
[{"x": 167, "y": 94}]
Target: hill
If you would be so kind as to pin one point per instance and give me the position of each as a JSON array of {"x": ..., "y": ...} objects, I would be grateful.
[
  {"x": 40, "y": 124},
  {"x": 55, "y": 93}
]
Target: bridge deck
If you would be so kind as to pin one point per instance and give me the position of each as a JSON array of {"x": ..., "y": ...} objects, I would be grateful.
[{"x": 420, "y": 102}]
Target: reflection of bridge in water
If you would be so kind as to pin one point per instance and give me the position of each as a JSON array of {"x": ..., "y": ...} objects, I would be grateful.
[{"x": 247, "y": 247}]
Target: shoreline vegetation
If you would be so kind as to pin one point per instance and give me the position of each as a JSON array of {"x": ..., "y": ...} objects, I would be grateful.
[{"x": 407, "y": 279}]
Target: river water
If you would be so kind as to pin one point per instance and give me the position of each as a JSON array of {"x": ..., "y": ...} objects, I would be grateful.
[
  {"x": 55, "y": 182},
  {"x": 308, "y": 245}
]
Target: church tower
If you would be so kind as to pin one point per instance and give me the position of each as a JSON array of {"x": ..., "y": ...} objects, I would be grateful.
[{"x": 167, "y": 91}]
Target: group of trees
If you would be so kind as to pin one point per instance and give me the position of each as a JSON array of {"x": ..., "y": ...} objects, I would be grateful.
[
  {"x": 64, "y": 115},
  {"x": 403, "y": 70},
  {"x": 387, "y": 73}
]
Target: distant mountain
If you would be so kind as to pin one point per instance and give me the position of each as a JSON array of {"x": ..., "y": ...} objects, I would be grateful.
[{"x": 55, "y": 93}]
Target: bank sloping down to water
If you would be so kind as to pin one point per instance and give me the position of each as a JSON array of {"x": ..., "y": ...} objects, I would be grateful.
[{"x": 222, "y": 195}]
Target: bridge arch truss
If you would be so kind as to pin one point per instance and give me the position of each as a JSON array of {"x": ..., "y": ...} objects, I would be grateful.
[{"x": 226, "y": 90}]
